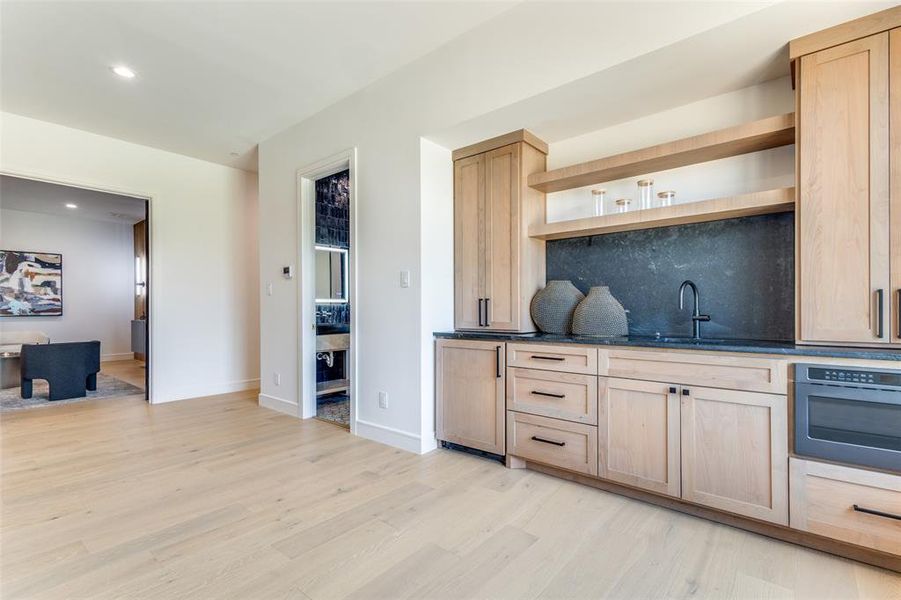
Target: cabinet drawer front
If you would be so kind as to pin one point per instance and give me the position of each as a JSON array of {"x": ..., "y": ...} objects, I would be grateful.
[
  {"x": 572, "y": 446},
  {"x": 823, "y": 497},
  {"x": 560, "y": 395},
  {"x": 746, "y": 373},
  {"x": 568, "y": 359}
]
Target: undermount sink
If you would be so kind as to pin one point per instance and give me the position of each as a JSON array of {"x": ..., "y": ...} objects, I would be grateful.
[{"x": 331, "y": 329}]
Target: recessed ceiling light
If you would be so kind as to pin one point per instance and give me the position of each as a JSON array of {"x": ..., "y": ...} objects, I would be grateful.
[
  {"x": 70, "y": 205},
  {"x": 123, "y": 71}
]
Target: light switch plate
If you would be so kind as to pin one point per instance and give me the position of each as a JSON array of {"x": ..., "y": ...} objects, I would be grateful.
[
  {"x": 383, "y": 399},
  {"x": 404, "y": 279}
]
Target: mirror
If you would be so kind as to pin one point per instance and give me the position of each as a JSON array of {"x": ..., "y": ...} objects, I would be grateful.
[{"x": 331, "y": 275}]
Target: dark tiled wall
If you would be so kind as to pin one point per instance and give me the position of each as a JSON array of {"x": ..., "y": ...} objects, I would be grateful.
[
  {"x": 333, "y": 229},
  {"x": 744, "y": 269}
]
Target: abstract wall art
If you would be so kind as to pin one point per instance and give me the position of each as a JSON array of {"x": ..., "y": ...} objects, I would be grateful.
[{"x": 31, "y": 284}]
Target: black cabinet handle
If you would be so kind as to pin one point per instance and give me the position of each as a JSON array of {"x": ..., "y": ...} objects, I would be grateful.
[
  {"x": 899, "y": 312},
  {"x": 497, "y": 361},
  {"x": 880, "y": 316},
  {"x": 538, "y": 357},
  {"x": 487, "y": 317},
  {"x": 686, "y": 392},
  {"x": 546, "y": 441},
  {"x": 672, "y": 389},
  {"x": 481, "y": 324},
  {"x": 871, "y": 511},
  {"x": 548, "y": 394}
]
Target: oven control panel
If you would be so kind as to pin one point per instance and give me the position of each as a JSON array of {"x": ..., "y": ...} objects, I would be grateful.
[{"x": 880, "y": 378}]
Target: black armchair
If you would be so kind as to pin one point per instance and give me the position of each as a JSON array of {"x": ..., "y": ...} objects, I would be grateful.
[{"x": 70, "y": 368}]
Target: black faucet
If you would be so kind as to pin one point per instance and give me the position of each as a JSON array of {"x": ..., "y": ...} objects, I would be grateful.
[{"x": 696, "y": 316}]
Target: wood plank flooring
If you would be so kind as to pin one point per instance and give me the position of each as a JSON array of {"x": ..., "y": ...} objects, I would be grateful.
[{"x": 218, "y": 498}]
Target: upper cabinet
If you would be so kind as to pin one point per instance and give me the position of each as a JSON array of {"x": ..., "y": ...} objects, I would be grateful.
[
  {"x": 497, "y": 267},
  {"x": 849, "y": 197}
]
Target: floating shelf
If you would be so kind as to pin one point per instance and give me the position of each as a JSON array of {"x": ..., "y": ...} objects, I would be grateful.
[
  {"x": 745, "y": 205},
  {"x": 771, "y": 132}
]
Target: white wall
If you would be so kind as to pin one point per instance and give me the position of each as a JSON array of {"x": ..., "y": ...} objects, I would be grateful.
[
  {"x": 204, "y": 261},
  {"x": 98, "y": 277},
  {"x": 729, "y": 176}
]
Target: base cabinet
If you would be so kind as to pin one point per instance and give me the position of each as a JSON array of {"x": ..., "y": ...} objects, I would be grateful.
[
  {"x": 735, "y": 452},
  {"x": 638, "y": 434},
  {"x": 470, "y": 385}
]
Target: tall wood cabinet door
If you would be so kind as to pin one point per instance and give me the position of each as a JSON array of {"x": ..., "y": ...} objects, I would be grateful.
[
  {"x": 470, "y": 394},
  {"x": 735, "y": 452},
  {"x": 638, "y": 434},
  {"x": 502, "y": 194},
  {"x": 895, "y": 191},
  {"x": 469, "y": 241},
  {"x": 844, "y": 197}
]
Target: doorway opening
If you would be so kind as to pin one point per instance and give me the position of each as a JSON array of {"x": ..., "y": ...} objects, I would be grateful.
[
  {"x": 327, "y": 291},
  {"x": 74, "y": 279}
]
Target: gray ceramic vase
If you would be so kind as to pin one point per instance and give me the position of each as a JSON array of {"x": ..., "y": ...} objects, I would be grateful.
[
  {"x": 552, "y": 308},
  {"x": 600, "y": 315}
]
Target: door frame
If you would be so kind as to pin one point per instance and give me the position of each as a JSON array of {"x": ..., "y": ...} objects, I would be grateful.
[
  {"x": 151, "y": 291},
  {"x": 306, "y": 289}
]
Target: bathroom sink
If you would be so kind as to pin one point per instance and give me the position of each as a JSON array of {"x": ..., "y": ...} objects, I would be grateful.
[{"x": 332, "y": 329}]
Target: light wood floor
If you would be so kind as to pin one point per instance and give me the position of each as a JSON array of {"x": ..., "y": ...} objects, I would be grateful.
[
  {"x": 218, "y": 498},
  {"x": 129, "y": 371}
]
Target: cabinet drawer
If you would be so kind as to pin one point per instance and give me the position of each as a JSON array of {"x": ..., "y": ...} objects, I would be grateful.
[
  {"x": 568, "y": 359},
  {"x": 747, "y": 373},
  {"x": 823, "y": 497},
  {"x": 560, "y": 395},
  {"x": 572, "y": 446}
]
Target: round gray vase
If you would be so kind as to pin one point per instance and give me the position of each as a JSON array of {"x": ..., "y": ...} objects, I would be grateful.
[
  {"x": 600, "y": 315},
  {"x": 552, "y": 308}
]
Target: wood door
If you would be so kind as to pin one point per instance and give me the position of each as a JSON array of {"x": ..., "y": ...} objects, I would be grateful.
[
  {"x": 843, "y": 213},
  {"x": 502, "y": 201},
  {"x": 895, "y": 191},
  {"x": 735, "y": 452},
  {"x": 638, "y": 434},
  {"x": 470, "y": 394},
  {"x": 469, "y": 241}
]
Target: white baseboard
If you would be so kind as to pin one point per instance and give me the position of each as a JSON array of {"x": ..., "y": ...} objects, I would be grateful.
[
  {"x": 278, "y": 404},
  {"x": 389, "y": 435},
  {"x": 201, "y": 391},
  {"x": 114, "y": 357}
]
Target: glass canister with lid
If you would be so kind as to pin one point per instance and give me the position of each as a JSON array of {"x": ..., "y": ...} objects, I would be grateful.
[{"x": 645, "y": 193}]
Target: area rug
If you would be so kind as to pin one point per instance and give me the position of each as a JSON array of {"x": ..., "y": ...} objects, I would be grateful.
[
  {"x": 107, "y": 387},
  {"x": 334, "y": 409}
]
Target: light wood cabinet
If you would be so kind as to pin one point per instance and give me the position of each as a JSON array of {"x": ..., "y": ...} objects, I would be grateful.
[
  {"x": 638, "y": 434},
  {"x": 470, "y": 394},
  {"x": 570, "y": 446},
  {"x": 566, "y": 396},
  {"x": 844, "y": 224},
  {"x": 497, "y": 266},
  {"x": 735, "y": 451},
  {"x": 895, "y": 184}
]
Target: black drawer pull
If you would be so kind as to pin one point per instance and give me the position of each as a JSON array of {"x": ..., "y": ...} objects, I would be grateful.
[
  {"x": 497, "y": 362},
  {"x": 538, "y": 357},
  {"x": 548, "y": 394},
  {"x": 686, "y": 392},
  {"x": 535, "y": 438},
  {"x": 880, "y": 313},
  {"x": 871, "y": 511},
  {"x": 672, "y": 389}
]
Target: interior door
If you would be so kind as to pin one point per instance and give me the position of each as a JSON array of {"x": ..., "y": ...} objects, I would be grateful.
[
  {"x": 844, "y": 197},
  {"x": 469, "y": 241},
  {"x": 470, "y": 394},
  {"x": 638, "y": 434},
  {"x": 502, "y": 257}
]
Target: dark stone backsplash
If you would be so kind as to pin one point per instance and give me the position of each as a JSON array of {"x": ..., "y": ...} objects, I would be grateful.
[
  {"x": 744, "y": 269},
  {"x": 333, "y": 229},
  {"x": 333, "y": 314}
]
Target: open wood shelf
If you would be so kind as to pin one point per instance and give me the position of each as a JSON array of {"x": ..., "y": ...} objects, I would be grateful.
[
  {"x": 745, "y": 205},
  {"x": 766, "y": 133}
]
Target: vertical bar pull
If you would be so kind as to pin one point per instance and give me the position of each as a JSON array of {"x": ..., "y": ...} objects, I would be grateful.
[
  {"x": 481, "y": 324},
  {"x": 487, "y": 318},
  {"x": 880, "y": 313},
  {"x": 497, "y": 361},
  {"x": 899, "y": 312}
]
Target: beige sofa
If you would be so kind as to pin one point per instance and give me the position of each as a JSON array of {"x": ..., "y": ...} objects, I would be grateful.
[{"x": 11, "y": 341}]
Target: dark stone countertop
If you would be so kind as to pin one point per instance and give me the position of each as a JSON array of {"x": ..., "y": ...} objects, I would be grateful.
[{"x": 677, "y": 343}]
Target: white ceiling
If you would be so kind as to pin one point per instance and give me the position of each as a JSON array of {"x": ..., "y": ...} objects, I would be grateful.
[
  {"x": 49, "y": 198},
  {"x": 213, "y": 77}
]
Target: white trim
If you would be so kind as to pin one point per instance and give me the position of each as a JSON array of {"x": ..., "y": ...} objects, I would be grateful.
[
  {"x": 390, "y": 436},
  {"x": 213, "y": 389},
  {"x": 154, "y": 294},
  {"x": 306, "y": 289},
  {"x": 278, "y": 404},
  {"x": 117, "y": 357}
]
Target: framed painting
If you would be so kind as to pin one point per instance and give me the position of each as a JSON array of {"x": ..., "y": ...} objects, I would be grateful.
[{"x": 31, "y": 284}]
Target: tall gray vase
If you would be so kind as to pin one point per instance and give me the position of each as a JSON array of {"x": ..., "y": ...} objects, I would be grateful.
[
  {"x": 601, "y": 315},
  {"x": 552, "y": 308}
]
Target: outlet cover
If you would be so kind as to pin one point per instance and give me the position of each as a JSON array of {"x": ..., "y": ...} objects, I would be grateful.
[
  {"x": 277, "y": 378},
  {"x": 383, "y": 399}
]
